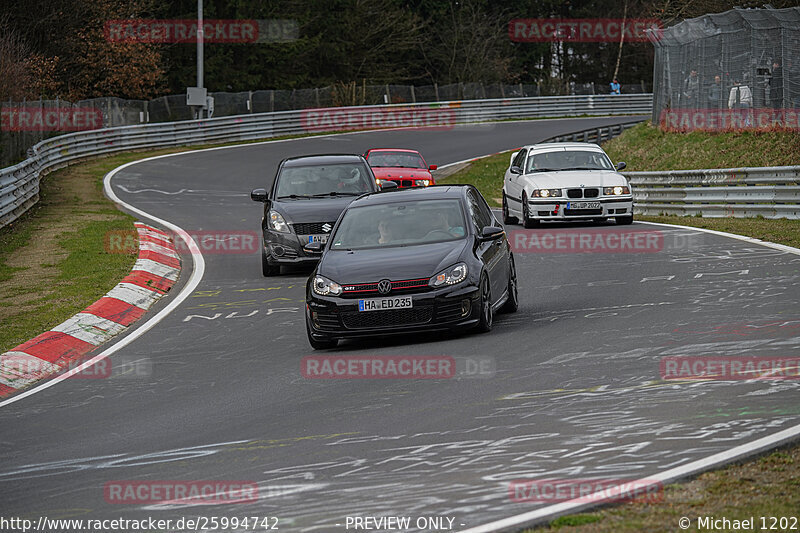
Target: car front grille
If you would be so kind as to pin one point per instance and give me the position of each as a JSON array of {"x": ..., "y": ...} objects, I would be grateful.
[
  {"x": 404, "y": 286},
  {"x": 447, "y": 311},
  {"x": 311, "y": 228},
  {"x": 583, "y": 193},
  {"x": 388, "y": 318}
]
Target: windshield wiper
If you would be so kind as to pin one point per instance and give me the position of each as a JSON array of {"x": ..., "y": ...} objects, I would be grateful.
[
  {"x": 579, "y": 168},
  {"x": 334, "y": 193},
  {"x": 294, "y": 196},
  {"x": 546, "y": 170}
]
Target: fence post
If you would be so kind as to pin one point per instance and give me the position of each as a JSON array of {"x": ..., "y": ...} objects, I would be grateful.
[
  {"x": 388, "y": 99},
  {"x": 413, "y": 96},
  {"x": 316, "y": 96},
  {"x": 436, "y": 90},
  {"x": 271, "y": 100},
  {"x": 250, "y": 101},
  {"x": 502, "y": 90}
]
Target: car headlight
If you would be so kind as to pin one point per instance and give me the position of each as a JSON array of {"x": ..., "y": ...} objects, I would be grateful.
[
  {"x": 277, "y": 223},
  {"x": 546, "y": 193},
  {"x": 616, "y": 191},
  {"x": 423, "y": 183},
  {"x": 449, "y": 276},
  {"x": 325, "y": 287}
]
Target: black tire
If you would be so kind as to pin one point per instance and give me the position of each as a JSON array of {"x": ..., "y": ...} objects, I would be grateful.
[
  {"x": 528, "y": 223},
  {"x": 268, "y": 270},
  {"x": 319, "y": 344},
  {"x": 624, "y": 221},
  {"x": 507, "y": 218},
  {"x": 512, "y": 304},
  {"x": 487, "y": 314}
]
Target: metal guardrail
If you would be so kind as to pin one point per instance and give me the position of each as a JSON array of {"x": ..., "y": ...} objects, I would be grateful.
[
  {"x": 770, "y": 192},
  {"x": 19, "y": 184},
  {"x": 596, "y": 135}
]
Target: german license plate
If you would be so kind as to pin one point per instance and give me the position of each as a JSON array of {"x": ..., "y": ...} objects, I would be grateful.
[
  {"x": 583, "y": 205},
  {"x": 384, "y": 304},
  {"x": 318, "y": 238}
]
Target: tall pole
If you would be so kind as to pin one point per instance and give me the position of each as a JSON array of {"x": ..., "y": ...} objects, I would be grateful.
[{"x": 200, "y": 39}]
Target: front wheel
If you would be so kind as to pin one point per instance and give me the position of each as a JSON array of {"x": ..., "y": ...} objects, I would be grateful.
[
  {"x": 624, "y": 221},
  {"x": 507, "y": 218},
  {"x": 268, "y": 270},
  {"x": 487, "y": 314},
  {"x": 527, "y": 222},
  {"x": 512, "y": 304}
]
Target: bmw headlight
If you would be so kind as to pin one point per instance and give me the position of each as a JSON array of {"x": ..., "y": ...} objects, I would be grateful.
[
  {"x": 423, "y": 183},
  {"x": 616, "y": 191},
  {"x": 449, "y": 276},
  {"x": 546, "y": 193},
  {"x": 277, "y": 223},
  {"x": 325, "y": 287}
]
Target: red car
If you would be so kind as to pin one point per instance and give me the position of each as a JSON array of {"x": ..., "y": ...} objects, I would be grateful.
[{"x": 407, "y": 168}]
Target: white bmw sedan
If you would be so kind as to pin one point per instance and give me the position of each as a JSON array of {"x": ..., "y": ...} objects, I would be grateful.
[{"x": 565, "y": 181}]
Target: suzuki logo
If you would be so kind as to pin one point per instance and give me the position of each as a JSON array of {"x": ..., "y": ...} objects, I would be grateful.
[
  {"x": 326, "y": 227},
  {"x": 384, "y": 286}
]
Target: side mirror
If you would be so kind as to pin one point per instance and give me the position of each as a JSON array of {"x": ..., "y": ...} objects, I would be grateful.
[
  {"x": 259, "y": 195},
  {"x": 314, "y": 247},
  {"x": 387, "y": 184},
  {"x": 515, "y": 170},
  {"x": 513, "y": 156},
  {"x": 489, "y": 233},
  {"x": 433, "y": 167},
  {"x": 621, "y": 165}
]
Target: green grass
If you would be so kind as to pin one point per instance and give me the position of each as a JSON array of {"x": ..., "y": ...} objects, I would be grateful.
[{"x": 645, "y": 147}]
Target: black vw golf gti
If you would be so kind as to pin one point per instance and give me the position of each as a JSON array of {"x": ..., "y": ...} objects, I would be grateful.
[
  {"x": 307, "y": 196},
  {"x": 409, "y": 260}
]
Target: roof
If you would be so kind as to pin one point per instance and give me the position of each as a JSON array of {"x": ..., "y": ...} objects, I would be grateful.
[
  {"x": 434, "y": 192},
  {"x": 555, "y": 147},
  {"x": 321, "y": 159},
  {"x": 393, "y": 150}
]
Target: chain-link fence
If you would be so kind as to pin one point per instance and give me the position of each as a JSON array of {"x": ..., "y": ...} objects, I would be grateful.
[
  {"x": 26, "y": 123},
  {"x": 737, "y": 60}
]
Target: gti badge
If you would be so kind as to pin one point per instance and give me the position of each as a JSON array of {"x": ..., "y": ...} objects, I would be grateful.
[
  {"x": 384, "y": 286},
  {"x": 326, "y": 227}
]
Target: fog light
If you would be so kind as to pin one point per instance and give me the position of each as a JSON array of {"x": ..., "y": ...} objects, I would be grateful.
[
  {"x": 466, "y": 307},
  {"x": 278, "y": 250}
]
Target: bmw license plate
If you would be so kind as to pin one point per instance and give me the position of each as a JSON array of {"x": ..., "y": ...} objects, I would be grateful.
[
  {"x": 583, "y": 205},
  {"x": 384, "y": 304},
  {"x": 318, "y": 238}
]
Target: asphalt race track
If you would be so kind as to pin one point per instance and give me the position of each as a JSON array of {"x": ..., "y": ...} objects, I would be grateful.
[{"x": 571, "y": 386}]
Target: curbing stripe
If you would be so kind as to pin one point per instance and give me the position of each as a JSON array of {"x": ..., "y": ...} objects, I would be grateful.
[
  {"x": 116, "y": 310},
  {"x": 153, "y": 274}
]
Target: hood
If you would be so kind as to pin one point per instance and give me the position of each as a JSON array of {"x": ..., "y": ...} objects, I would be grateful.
[
  {"x": 312, "y": 210},
  {"x": 400, "y": 172},
  {"x": 394, "y": 263},
  {"x": 575, "y": 178}
]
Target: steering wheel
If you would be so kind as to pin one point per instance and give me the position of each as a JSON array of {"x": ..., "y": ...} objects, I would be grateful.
[{"x": 443, "y": 233}]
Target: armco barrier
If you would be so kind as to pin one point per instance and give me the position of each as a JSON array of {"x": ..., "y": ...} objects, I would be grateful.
[
  {"x": 771, "y": 192},
  {"x": 19, "y": 184}
]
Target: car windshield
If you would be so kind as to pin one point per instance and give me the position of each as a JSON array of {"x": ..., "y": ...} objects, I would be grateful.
[
  {"x": 395, "y": 159},
  {"x": 400, "y": 224},
  {"x": 345, "y": 179},
  {"x": 568, "y": 160}
]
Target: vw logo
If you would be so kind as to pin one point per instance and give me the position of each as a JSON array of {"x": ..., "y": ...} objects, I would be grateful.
[
  {"x": 384, "y": 286},
  {"x": 326, "y": 227}
]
